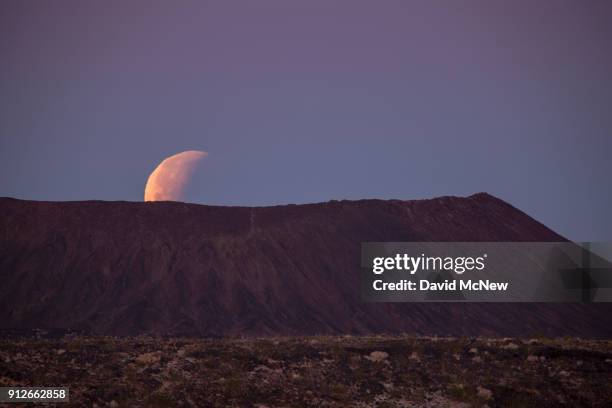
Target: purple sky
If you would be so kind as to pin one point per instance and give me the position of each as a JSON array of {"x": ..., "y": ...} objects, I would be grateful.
[{"x": 314, "y": 100}]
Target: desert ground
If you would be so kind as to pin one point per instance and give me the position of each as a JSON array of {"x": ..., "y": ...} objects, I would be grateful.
[{"x": 315, "y": 371}]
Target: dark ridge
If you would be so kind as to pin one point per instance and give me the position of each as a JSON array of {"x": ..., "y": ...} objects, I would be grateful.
[{"x": 170, "y": 268}]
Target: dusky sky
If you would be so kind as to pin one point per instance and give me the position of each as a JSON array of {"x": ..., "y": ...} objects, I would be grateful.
[{"x": 305, "y": 101}]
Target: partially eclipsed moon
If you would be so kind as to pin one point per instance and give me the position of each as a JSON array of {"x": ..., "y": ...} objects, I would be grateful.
[{"x": 170, "y": 177}]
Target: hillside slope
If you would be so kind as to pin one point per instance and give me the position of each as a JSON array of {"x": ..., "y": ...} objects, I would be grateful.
[{"x": 128, "y": 268}]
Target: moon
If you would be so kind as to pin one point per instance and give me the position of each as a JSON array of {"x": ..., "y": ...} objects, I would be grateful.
[{"x": 169, "y": 179}]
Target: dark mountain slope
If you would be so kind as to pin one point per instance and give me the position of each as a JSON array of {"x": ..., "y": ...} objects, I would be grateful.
[{"x": 175, "y": 268}]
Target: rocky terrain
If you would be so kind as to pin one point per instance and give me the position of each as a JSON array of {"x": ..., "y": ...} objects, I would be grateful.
[
  {"x": 365, "y": 371},
  {"x": 169, "y": 268}
]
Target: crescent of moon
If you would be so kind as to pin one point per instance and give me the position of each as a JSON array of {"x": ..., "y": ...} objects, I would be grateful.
[{"x": 167, "y": 182}]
